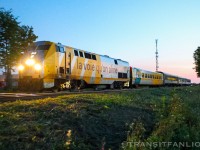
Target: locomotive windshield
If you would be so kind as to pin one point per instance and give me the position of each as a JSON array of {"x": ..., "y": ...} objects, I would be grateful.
[{"x": 39, "y": 47}]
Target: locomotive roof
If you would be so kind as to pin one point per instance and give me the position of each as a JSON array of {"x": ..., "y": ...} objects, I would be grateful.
[{"x": 49, "y": 42}]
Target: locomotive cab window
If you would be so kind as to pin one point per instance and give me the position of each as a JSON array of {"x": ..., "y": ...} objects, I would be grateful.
[
  {"x": 60, "y": 49},
  {"x": 43, "y": 47},
  {"x": 75, "y": 52}
]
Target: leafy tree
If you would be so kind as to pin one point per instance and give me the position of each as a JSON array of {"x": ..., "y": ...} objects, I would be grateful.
[
  {"x": 14, "y": 39},
  {"x": 197, "y": 61}
]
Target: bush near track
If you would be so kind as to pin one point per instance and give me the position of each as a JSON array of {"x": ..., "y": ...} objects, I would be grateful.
[{"x": 102, "y": 121}]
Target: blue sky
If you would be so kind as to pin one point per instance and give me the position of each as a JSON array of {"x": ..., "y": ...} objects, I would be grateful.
[{"x": 124, "y": 29}]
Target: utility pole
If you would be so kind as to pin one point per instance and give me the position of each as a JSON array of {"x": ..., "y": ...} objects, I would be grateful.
[{"x": 156, "y": 55}]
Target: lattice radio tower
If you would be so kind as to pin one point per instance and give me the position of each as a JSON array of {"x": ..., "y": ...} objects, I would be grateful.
[{"x": 156, "y": 55}]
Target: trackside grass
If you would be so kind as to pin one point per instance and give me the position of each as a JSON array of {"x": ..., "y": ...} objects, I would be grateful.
[{"x": 103, "y": 121}]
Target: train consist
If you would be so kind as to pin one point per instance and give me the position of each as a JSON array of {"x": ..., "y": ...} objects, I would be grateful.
[{"x": 55, "y": 66}]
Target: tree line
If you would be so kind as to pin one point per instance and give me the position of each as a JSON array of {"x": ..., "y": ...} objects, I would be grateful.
[
  {"x": 14, "y": 39},
  {"x": 196, "y": 56}
]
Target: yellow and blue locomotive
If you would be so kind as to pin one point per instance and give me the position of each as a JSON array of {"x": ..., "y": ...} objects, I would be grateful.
[{"x": 53, "y": 65}]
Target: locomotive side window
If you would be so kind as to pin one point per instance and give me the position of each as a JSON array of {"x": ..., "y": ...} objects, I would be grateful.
[
  {"x": 87, "y": 55},
  {"x": 120, "y": 75},
  {"x": 81, "y": 54},
  {"x": 61, "y": 70},
  {"x": 94, "y": 57},
  {"x": 124, "y": 75},
  {"x": 115, "y": 62},
  {"x": 75, "y": 52}
]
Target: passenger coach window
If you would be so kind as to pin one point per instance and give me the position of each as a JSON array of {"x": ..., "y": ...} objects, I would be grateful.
[
  {"x": 142, "y": 75},
  {"x": 81, "y": 54},
  {"x": 75, "y": 52}
]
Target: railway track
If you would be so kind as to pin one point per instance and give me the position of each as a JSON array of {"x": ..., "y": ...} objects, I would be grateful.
[{"x": 10, "y": 97}]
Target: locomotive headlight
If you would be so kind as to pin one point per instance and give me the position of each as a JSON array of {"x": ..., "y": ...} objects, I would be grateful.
[
  {"x": 37, "y": 67},
  {"x": 30, "y": 62},
  {"x": 21, "y": 67}
]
